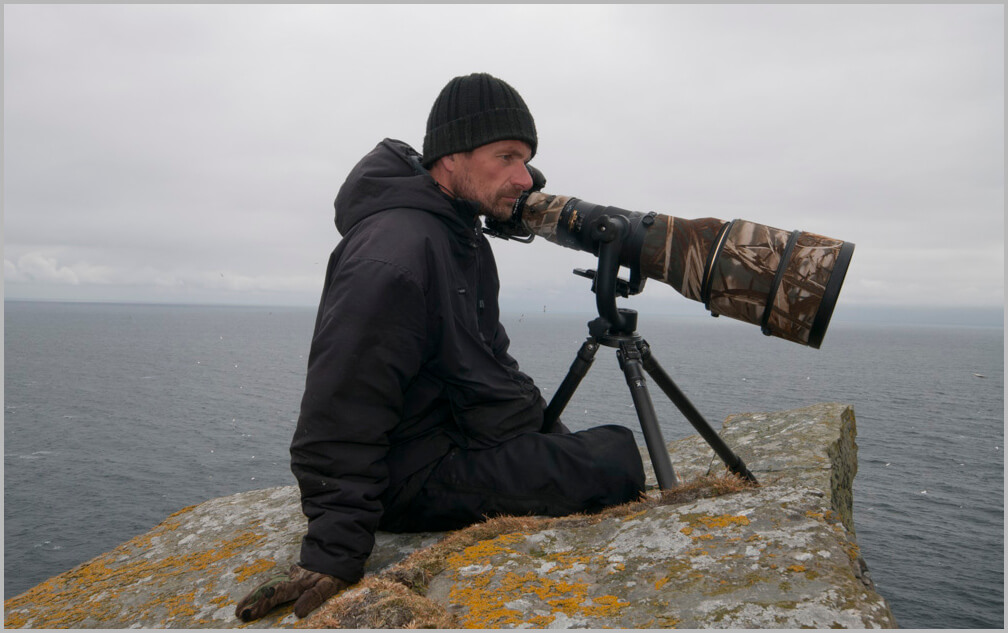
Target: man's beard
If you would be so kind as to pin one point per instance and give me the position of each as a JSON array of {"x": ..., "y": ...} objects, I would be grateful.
[{"x": 492, "y": 204}]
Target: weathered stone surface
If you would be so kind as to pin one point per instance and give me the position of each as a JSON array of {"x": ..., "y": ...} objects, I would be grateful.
[
  {"x": 748, "y": 560},
  {"x": 190, "y": 570},
  {"x": 812, "y": 447},
  {"x": 782, "y": 555}
]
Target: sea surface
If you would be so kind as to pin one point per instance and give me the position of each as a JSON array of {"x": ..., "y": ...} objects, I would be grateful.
[{"x": 115, "y": 416}]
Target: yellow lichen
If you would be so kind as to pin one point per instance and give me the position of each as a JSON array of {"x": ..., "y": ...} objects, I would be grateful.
[
  {"x": 722, "y": 521},
  {"x": 244, "y": 572},
  {"x": 484, "y": 597},
  {"x": 15, "y": 620},
  {"x": 853, "y": 552},
  {"x": 181, "y": 512},
  {"x": 483, "y": 550},
  {"x": 180, "y": 606},
  {"x": 634, "y": 515},
  {"x": 605, "y": 607}
]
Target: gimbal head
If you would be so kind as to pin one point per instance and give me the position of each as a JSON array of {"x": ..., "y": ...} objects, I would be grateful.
[{"x": 610, "y": 233}]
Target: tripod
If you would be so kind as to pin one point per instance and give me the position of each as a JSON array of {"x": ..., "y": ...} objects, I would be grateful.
[{"x": 616, "y": 327}]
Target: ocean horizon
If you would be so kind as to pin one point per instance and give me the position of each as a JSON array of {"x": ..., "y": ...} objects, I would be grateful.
[{"x": 882, "y": 314}]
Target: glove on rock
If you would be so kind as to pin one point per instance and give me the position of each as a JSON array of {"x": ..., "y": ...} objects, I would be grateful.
[{"x": 309, "y": 588}]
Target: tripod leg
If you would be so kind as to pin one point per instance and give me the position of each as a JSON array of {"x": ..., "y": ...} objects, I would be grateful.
[
  {"x": 582, "y": 363},
  {"x": 630, "y": 363},
  {"x": 733, "y": 461}
]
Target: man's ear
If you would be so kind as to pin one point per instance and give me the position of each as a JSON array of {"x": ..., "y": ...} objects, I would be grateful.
[
  {"x": 443, "y": 171},
  {"x": 449, "y": 163}
]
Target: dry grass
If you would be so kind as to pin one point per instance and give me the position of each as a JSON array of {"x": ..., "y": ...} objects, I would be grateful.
[
  {"x": 395, "y": 597},
  {"x": 380, "y": 603}
]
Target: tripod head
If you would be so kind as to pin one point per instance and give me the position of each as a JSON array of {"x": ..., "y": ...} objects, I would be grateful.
[{"x": 610, "y": 233}]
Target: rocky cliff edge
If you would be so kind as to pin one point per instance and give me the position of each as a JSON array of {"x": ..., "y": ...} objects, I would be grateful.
[{"x": 716, "y": 553}]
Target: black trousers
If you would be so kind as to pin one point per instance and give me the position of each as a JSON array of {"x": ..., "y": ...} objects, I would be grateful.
[{"x": 549, "y": 474}]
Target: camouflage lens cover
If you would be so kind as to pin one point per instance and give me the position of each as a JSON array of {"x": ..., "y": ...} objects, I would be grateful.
[
  {"x": 675, "y": 252},
  {"x": 745, "y": 270},
  {"x": 542, "y": 214}
]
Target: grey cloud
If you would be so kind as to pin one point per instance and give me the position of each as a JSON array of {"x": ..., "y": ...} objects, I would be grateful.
[{"x": 198, "y": 148}]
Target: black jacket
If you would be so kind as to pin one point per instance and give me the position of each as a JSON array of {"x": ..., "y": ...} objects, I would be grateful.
[{"x": 408, "y": 356}]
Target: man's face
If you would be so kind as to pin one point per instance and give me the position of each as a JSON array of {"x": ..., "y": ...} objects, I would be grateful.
[{"x": 494, "y": 175}]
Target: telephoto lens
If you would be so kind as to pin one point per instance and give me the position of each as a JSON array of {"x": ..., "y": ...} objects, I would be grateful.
[{"x": 786, "y": 282}]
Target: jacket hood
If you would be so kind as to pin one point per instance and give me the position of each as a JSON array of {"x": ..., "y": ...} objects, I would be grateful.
[{"x": 391, "y": 177}]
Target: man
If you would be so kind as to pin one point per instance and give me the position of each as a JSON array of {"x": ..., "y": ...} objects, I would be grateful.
[{"x": 414, "y": 415}]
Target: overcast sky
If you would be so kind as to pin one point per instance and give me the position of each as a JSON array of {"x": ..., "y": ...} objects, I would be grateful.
[{"x": 188, "y": 153}]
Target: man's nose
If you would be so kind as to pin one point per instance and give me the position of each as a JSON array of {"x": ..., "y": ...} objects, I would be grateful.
[{"x": 522, "y": 178}]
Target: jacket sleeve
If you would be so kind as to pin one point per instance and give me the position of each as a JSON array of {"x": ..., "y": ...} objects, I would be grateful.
[
  {"x": 500, "y": 345},
  {"x": 368, "y": 344}
]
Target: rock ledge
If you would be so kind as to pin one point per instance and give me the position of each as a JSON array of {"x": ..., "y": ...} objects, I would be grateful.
[{"x": 716, "y": 554}]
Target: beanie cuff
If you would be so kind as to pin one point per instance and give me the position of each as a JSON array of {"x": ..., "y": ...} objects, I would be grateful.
[{"x": 468, "y": 133}]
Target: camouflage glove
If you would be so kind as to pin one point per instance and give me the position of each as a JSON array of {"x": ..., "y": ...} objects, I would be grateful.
[
  {"x": 309, "y": 588},
  {"x": 513, "y": 229}
]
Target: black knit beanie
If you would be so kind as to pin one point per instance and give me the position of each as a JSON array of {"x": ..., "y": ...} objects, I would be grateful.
[{"x": 475, "y": 110}]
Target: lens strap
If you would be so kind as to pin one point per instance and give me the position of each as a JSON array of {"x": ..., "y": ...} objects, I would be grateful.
[
  {"x": 781, "y": 267},
  {"x": 712, "y": 255}
]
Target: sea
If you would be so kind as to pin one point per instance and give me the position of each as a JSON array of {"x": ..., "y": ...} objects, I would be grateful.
[{"x": 116, "y": 416}]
